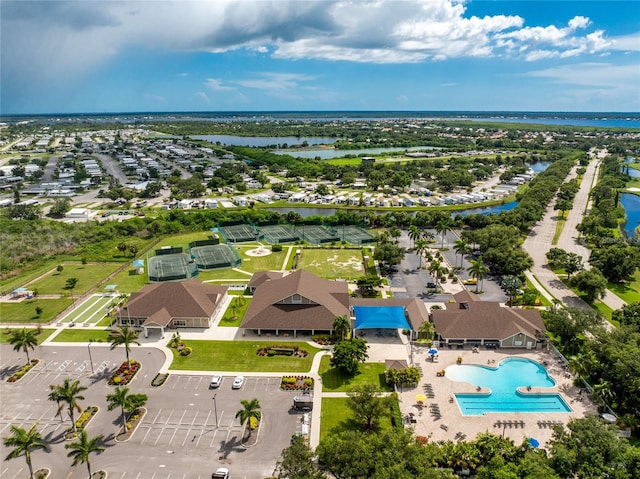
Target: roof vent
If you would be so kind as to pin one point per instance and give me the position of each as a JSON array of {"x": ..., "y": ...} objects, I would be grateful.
[{"x": 464, "y": 305}]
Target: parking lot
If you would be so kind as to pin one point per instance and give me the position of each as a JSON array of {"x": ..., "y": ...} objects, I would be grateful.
[{"x": 188, "y": 431}]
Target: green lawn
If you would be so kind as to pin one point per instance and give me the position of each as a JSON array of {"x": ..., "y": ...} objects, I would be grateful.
[
  {"x": 89, "y": 275},
  {"x": 25, "y": 311},
  {"x": 332, "y": 263},
  {"x": 337, "y": 417},
  {"x": 233, "y": 318},
  {"x": 44, "y": 334},
  {"x": 224, "y": 275},
  {"x": 77, "y": 335},
  {"x": 240, "y": 356},
  {"x": 20, "y": 280},
  {"x": 269, "y": 262},
  {"x": 334, "y": 380},
  {"x": 129, "y": 283},
  {"x": 184, "y": 239},
  {"x": 630, "y": 292},
  {"x": 604, "y": 310}
]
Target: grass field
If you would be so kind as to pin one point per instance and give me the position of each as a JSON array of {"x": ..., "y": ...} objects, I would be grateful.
[
  {"x": 630, "y": 292},
  {"x": 76, "y": 335},
  {"x": 25, "y": 311},
  {"x": 240, "y": 356},
  {"x": 89, "y": 275},
  {"x": 333, "y": 263},
  {"x": 19, "y": 280},
  {"x": 241, "y": 304},
  {"x": 261, "y": 263},
  {"x": 129, "y": 283},
  {"x": 183, "y": 239},
  {"x": 334, "y": 380},
  {"x": 44, "y": 334},
  {"x": 338, "y": 417}
]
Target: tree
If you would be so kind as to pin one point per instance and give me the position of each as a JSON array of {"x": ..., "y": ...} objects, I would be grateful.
[
  {"x": 511, "y": 284},
  {"x": 23, "y": 339},
  {"x": 59, "y": 268},
  {"x": 297, "y": 461},
  {"x": 126, "y": 402},
  {"x": 571, "y": 325},
  {"x": 71, "y": 284},
  {"x": 442, "y": 227},
  {"x": 572, "y": 264},
  {"x": 414, "y": 233},
  {"x": 69, "y": 392},
  {"x": 461, "y": 246},
  {"x": 250, "y": 409},
  {"x": 348, "y": 354},
  {"x": 629, "y": 314},
  {"x": 55, "y": 396},
  {"x": 427, "y": 330},
  {"x": 616, "y": 262},
  {"x": 367, "y": 284},
  {"x": 24, "y": 442},
  {"x": 82, "y": 449},
  {"x": 478, "y": 270},
  {"x": 367, "y": 404},
  {"x": 389, "y": 253},
  {"x": 421, "y": 247},
  {"x": 591, "y": 283},
  {"x": 436, "y": 269},
  {"x": 395, "y": 233},
  {"x": 341, "y": 326},
  {"x": 124, "y": 335}
]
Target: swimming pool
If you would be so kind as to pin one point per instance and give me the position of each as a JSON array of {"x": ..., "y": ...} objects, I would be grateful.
[{"x": 503, "y": 382}]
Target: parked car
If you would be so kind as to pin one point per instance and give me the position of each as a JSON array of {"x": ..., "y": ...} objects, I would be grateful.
[
  {"x": 238, "y": 382},
  {"x": 215, "y": 381},
  {"x": 221, "y": 473}
]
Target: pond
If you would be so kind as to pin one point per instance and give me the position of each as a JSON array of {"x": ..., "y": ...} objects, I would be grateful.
[
  {"x": 261, "y": 141},
  {"x": 539, "y": 166},
  {"x": 329, "y": 153},
  {"x": 631, "y": 205},
  {"x": 306, "y": 212}
]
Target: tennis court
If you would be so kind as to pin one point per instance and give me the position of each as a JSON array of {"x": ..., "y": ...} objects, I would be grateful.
[
  {"x": 240, "y": 233},
  {"x": 215, "y": 256},
  {"x": 170, "y": 267},
  {"x": 355, "y": 235},
  {"x": 276, "y": 234},
  {"x": 317, "y": 234}
]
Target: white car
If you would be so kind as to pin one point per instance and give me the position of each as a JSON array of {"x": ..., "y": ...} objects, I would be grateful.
[
  {"x": 215, "y": 382},
  {"x": 238, "y": 382}
]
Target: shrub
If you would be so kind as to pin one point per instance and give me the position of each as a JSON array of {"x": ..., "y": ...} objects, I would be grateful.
[
  {"x": 396, "y": 414},
  {"x": 276, "y": 247},
  {"x": 186, "y": 351},
  {"x": 159, "y": 379}
]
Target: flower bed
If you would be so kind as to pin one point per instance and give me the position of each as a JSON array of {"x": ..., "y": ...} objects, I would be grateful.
[
  {"x": 82, "y": 421},
  {"x": 296, "y": 383},
  {"x": 133, "y": 421},
  {"x": 22, "y": 371},
  {"x": 323, "y": 339},
  {"x": 125, "y": 373},
  {"x": 159, "y": 379},
  {"x": 42, "y": 473},
  {"x": 280, "y": 350}
]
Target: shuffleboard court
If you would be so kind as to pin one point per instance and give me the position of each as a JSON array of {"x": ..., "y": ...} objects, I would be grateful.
[
  {"x": 91, "y": 310},
  {"x": 171, "y": 267},
  {"x": 242, "y": 233},
  {"x": 215, "y": 256},
  {"x": 277, "y": 234}
]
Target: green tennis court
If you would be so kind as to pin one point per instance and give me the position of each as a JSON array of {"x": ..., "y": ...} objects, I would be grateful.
[
  {"x": 355, "y": 235},
  {"x": 215, "y": 256},
  {"x": 276, "y": 234},
  {"x": 317, "y": 234},
  {"x": 239, "y": 233},
  {"x": 171, "y": 267}
]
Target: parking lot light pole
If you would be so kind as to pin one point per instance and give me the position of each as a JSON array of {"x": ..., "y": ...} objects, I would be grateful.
[
  {"x": 90, "y": 359},
  {"x": 215, "y": 409}
]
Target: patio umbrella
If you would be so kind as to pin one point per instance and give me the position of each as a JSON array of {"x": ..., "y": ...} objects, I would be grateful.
[
  {"x": 433, "y": 351},
  {"x": 413, "y": 411},
  {"x": 421, "y": 397},
  {"x": 534, "y": 442}
]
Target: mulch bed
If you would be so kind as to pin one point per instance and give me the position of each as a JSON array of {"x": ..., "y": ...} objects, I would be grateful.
[{"x": 126, "y": 435}]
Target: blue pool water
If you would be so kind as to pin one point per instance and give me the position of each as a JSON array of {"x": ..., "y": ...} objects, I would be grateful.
[{"x": 503, "y": 382}]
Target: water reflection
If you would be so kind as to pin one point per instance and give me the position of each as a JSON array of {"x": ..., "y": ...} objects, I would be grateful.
[
  {"x": 261, "y": 141},
  {"x": 631, "y": 205}
]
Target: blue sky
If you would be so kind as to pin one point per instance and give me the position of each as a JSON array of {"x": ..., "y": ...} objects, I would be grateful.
[{"x": 94, "y": 56}]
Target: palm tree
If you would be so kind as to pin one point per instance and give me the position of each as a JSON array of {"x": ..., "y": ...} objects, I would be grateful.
[
  {"x": 69, "y": 392},
  {"x": 414, "y": 233},
  {"x": 83, "y": 447},
  {"x": 341, "y": 326},
  {"x": 24, "y": 442},
  {"x": 603, "y": 392},
  {"x": 54, "y": 395},
  {"x": 461, "y": 247},
  {"x": 421, "y": 248},
  {"x": 511, "y": 284},
  {"x": 442, "y": 227},
  {"x": 23, "y": 339},
  {"x": 478, "y": 270},
  {"x": 126, "y": 402},
  {"x": 250, "y": 409},
  {"x": 123, "y": 335},
  {"x": 435, "y": 269}
]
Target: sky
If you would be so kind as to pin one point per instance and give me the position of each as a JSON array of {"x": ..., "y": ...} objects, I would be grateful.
[{"x": 96, "y": 56}]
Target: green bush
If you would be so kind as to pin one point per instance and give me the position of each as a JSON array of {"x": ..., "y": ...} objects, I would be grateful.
[{"x": 396, "y": 414}]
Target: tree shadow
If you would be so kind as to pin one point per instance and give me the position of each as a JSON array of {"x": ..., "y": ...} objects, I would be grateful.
[{"x": 233, "y": 444}]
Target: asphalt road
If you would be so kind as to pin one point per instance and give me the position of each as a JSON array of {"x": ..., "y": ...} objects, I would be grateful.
[{"x": 185, "y": 433}]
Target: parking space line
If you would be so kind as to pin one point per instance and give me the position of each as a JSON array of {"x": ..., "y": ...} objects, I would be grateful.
[
  {"x": 181, "y": 417},
  {"x": 155, "y": 418},
  {"x": 64, "y": 365},
  {"x": 169, "y": 418},
  {"x": 145, "y": 436},
  {"x": 161, "y": 433},
  {"x": 206, "y": 421}
]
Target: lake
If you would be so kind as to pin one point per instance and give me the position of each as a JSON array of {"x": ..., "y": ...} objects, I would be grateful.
[
  {"x": 631, "y": 204},
  {"x": 329, "y": 153},
  {"x": 262, "y": 141},
  {"x": 306, "y": 212}
]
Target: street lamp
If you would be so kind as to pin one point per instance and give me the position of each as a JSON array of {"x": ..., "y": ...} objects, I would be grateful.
[
  {"x": 90, "y": 359},
  {"x": 215, "y": 409}
]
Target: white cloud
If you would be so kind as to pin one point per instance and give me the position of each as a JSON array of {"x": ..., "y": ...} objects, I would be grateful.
[
  {"x": 202, "y": 97},
  {"x": 215, "y": 84},
  {"x": 626, "y": 42}
]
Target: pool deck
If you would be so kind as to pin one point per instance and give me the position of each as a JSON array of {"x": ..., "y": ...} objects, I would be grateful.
[{"x": 439, "y": 418}]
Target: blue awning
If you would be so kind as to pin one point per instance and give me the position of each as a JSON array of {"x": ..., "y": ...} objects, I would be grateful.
[
  {"x": 139, "y": 263},
  {"x": 110, "y": 287},
  {"x": 387, "y": 317}
]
